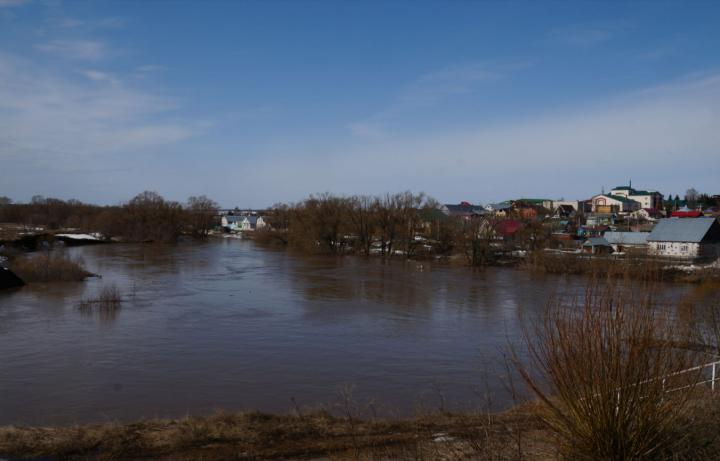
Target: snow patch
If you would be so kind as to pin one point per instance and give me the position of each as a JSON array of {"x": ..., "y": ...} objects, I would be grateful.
[{"x": 79, "y": 236}]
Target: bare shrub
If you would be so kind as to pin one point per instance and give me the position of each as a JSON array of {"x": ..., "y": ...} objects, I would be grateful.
[
  {"x": 603, "y": 363},
  {"x": 108, "y": 298},
  {"x": 50, "y": 266}
]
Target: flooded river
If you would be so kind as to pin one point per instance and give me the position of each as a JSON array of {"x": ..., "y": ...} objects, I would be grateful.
[{"x": 232, "y": 324}]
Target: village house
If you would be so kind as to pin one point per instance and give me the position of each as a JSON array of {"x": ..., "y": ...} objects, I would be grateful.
[
  {"x": 249, "y": 223},
  {"x": 604, "y": 203},
  {"x": 648, "y": 214},
  {"x": 687, "y": 214},
  {"x": 594, "y": 219},
  {"x": 232, "y": 222},
  {"x": 621, "y": 242},
  {"x": 464, "y": 209},
  {"x": 499, "y": 209},
  {"x": 432, "y": 223},
  {"x": 578, "y": 205},
  {"x": 264, "y": 221},
  {"x": 501, "y": 229},
  {"x": 564, "y": 211},
  {"x": 646, "y": 198},
  {"x": 592, "y": 231},
  {"x": 685, "y": 238},
  {"x": 596, "y": 245}
]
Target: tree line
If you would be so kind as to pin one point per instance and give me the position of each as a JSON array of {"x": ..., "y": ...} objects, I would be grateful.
[
  {"x": 146, "y": 217},
  {"x": 400, "y": 225}
]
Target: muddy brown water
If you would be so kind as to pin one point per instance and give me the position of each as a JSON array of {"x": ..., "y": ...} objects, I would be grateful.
[{"x": 231, "y": 324}]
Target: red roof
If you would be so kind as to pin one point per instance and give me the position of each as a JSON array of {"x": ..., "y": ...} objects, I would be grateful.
[
  {"x": 686, "y": 214},
  {"x": 505, "y": 227}
]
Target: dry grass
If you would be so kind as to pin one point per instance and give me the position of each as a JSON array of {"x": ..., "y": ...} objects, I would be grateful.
[
  {"x": 605, "y": 365},
  {"x": 50, "y": 266},
  {"x": 108, "y": 298},
  {"x": 264, "y": 436}
]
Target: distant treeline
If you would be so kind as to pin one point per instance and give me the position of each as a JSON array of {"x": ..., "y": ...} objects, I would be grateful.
[
  {"x": 147, "y": 217},
  {"x": 401, "y": 225}
]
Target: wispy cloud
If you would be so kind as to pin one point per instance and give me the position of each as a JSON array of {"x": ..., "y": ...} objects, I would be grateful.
[
  {"x": 109, "y": 23},
  {"x": 85, "y": 50},
  {"x": 151, "y": 68},
  {"x": 53, "y": 119},
  {"x": 434, "y": 88},
  {"x": 585, "y": 34},
  {"x": 437, "y": 86},
  {"x": 8, "y": 3},
  {"x": 98, "y": 76},
  {"x": 64, "y": 23},
  {"x": 640, "y": 134}
]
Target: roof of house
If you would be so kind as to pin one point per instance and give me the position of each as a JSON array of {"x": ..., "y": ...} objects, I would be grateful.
[
  {"x": 596, "y": 241},
  {"x": 619, "y": 198},
  {"x": 534, "y": 200},
  {"x": 251, "y": 219},
  {"x": 623, "y": 188},
  {"x": 235, "y": 218},
  {"x": 686, "y": 214},
  {"x": 681, "y": 230},
  {"x": 434, "y": 214},
  {"x": 505, "y": 226},
  {"x": 627, "y": 238},
  {"x": 566, "y": 208},
  {"x": 652, "y": 211},
  {"x": 500, "y": 206},
  {"x": 462, "y": 208},
  {"x": 643, "y": 192}
]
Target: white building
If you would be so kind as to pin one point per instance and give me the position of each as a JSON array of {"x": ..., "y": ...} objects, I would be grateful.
[
  {"x": 685, "y": 238},
  {"x": 604, "y": 203},
  {"x": 646, "y": 198}
]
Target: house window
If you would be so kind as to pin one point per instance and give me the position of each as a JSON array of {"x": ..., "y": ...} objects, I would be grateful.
[
  {"x": 684, "y": 248},
  {"x": 661, "y": 246}
]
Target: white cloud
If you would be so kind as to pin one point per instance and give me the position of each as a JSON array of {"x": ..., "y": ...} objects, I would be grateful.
[
  {"x": 86, "y": 50},
  {"x": 98, "y": 76},
  {"x": 584, "y": 34},
  {"x": 435, "y": 88},
  {"x": 151, "y": 68},
  {"x": 52, "y": 119},
  {"x": 64, "y": 23},
  {"x": 8, "y": 3},
  {"x": 366, "y": 130},
  {"x": 648, "y": 136}
]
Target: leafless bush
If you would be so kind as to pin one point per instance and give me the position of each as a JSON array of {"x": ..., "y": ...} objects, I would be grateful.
[
  {"x": 50, "y": 266},
  {"x": 604, "y": 365},
  {"x": 108, "y": 298}
]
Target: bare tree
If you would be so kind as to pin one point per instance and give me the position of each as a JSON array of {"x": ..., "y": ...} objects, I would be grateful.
[
  {"x": 691, "y": 197},
  {"x": 362, "y": 220},
  {"x": 201, "y": 212}
]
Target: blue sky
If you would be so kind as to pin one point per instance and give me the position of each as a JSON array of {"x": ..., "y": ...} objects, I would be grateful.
[{"x": 252, "y": 103}]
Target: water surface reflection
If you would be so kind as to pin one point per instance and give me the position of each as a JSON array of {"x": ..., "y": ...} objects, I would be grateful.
[{"x": 232, "y": 324}]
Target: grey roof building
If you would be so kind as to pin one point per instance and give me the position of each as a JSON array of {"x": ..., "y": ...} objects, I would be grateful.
[
  {"x": 685, "y": 238},
  {"x": 685, "y": 230},
  {"x": 627, "y": 238}
]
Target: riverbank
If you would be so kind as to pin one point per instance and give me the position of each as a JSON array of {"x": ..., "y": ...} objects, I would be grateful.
[
  {"x": 312, "y": 434},
  {"x": 350, "y": 434}
]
